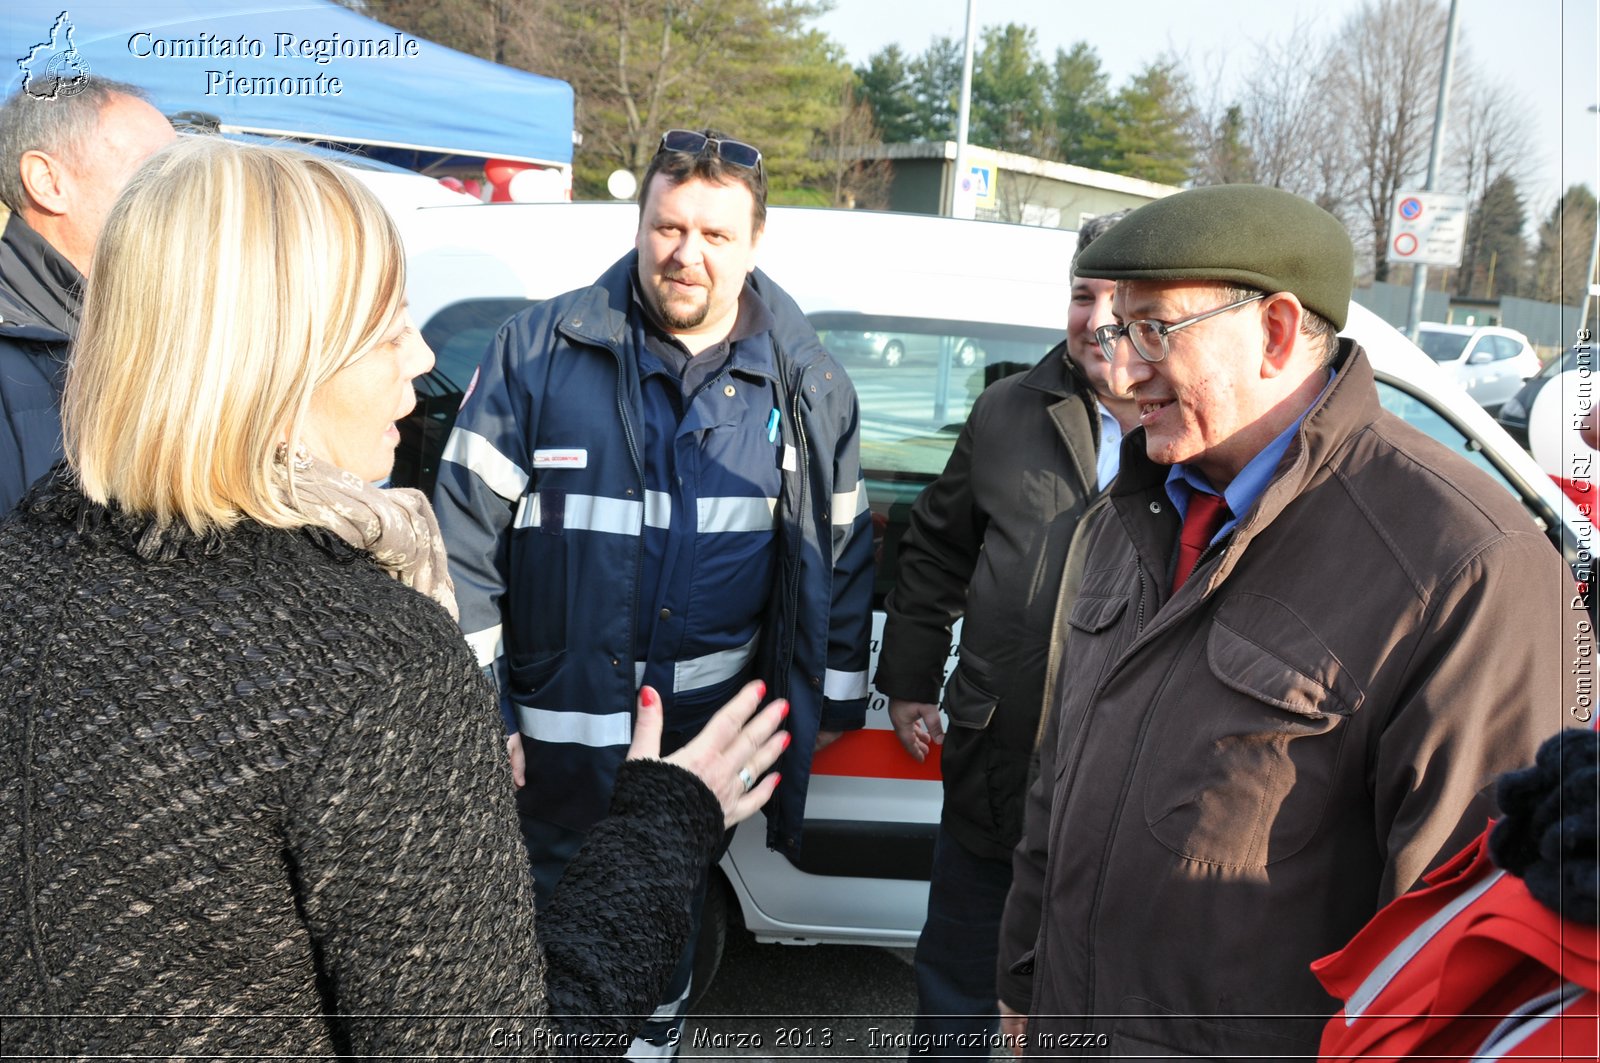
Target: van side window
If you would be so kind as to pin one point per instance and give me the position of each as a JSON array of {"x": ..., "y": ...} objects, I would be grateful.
[
  {"x": 916, "y": 379},
  {"x": 459, "y": 335}
]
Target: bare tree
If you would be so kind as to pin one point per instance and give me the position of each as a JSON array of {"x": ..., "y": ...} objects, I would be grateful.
[
  {"x": 1490, "y": 147},
  {"x": 1295, "y": 123},
  {"x": 854, "y": 179},
  {"x": 1489, "y": 134},
  {"x": 1018, "y": 197},
  {"x": 1285, "y": 127},
  {"x": 638, "y": 66},
  {"x": 1216, "y": 125},
  {"x": 1386, "y": 85},
  {"x": 502, "y": 31},
  {"x": 630, "y": 62}
]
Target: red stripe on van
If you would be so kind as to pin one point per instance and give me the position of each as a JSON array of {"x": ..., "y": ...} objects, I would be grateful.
[{"x": 874, "y": 755}]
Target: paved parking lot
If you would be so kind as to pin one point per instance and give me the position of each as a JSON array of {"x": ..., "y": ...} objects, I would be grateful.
[{"x": 772, "y": 1002}]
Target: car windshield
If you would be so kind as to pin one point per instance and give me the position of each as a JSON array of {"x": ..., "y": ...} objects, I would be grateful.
[
  {"x": 1575, "y": 355},
  {"x": 1442, "y": 346}
]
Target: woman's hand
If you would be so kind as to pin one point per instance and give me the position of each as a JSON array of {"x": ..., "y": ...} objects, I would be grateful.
[{"x": 738, "y": 739}]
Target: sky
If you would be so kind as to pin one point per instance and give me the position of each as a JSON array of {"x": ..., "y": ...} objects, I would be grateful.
[{"x": 1543, "y": 51}]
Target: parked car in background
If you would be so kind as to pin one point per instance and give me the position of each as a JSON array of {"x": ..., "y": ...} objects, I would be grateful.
[
  {"x": 872, "y": 812},
  {"x": 1513, "y": 415},
  {"x": 853, "y": 346},
  {"x": 1490, "y": 362},
  {"x": 1546, "y": 415}
]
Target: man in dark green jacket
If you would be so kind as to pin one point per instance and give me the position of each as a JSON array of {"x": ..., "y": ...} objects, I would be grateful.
[{"x": 985, "y": 545}]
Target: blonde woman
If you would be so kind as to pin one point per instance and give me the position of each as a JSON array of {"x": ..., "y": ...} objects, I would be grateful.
[{"x": 254, "y": 793}]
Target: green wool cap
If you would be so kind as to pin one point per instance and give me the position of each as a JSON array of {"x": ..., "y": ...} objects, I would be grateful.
[{"x": 1248, "y": 234}]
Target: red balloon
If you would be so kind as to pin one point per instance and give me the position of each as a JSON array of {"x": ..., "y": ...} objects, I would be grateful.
[{"x": 500, "y": 172}]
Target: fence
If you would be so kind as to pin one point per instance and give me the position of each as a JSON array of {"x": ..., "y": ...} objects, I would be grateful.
[{"x": 1551, "y": 326}]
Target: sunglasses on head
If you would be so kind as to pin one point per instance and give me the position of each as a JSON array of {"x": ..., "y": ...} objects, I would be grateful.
[{"x": 688, "y": 142}]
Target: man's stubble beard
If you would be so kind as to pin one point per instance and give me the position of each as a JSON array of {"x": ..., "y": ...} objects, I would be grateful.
[{"x": 694, "y": 317}]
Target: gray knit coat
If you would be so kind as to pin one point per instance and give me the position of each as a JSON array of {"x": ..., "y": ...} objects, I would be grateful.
[{"x": 255, "y": 802}]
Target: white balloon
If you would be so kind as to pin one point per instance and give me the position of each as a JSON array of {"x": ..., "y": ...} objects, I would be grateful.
[
  {"x": 1552, "y": 425},
  {"x": 538, "y": 186},
  {"x": 622, "y": 184}
]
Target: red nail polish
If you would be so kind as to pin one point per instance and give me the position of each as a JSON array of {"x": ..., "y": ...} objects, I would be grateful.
[
  {"x": 761, "y": 692},
  {"x": 784, "y": 714},
  {"x": 787, "y": 738},
  {"x": 650, "y": 697},
  {"x": 776, "y": 778}
]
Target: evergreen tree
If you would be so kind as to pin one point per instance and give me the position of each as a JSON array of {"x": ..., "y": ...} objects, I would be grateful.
[
  {"x": 1226, "y": 157},
  {"x": 1079, "y": 98},
  {"x": 884, "y": 85},
  {"x": 1008, "y": 83},
  {"x": 1146, "y": 134},
  {"x": 1494, "y": 259},
  {"x": 1561, "y": 264},
  {"x": 936, "y": 89}
]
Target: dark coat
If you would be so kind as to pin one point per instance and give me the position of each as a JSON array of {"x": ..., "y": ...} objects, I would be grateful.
[
  {"x": 255, "y": 785},
  {"x": 1236, "y": 777},
  {"x": 40, "y": 295},
  {"x": 986, "y": 543},
  {"x": 553, "y": 608}
]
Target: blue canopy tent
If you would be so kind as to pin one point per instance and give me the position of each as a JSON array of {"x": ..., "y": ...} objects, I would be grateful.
[{"x": 308, "y": 69}]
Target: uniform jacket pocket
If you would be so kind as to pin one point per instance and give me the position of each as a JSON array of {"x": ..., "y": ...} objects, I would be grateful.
[{"x": 530, "y": 675}]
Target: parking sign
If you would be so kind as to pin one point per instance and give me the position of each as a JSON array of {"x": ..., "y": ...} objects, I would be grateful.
[{"x": 1427, "y": 228}]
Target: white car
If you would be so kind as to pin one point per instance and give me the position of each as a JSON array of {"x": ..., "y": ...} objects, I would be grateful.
[
  {"x": 1492, "y": 363},
  {"x": 872, "y": 811}
]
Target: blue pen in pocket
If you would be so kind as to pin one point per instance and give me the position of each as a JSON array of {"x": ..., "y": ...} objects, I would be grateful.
[{"x": 772, "y": 426}]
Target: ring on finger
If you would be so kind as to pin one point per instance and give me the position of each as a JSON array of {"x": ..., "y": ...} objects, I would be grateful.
[{"x": 746, "y": 778}]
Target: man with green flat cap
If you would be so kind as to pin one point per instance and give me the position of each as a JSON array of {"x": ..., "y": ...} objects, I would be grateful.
[{"x": 1299, "y": 640}]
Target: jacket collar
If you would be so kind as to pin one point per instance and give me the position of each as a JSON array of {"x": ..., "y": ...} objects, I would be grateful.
[
  {"x": 1059, "y": 376},
  {"x": 42, "y": 292},
  {"x": 1056, "y": 374},
  {"x": 599, "y": 313},
  {"x": 1348, "y": 406}
]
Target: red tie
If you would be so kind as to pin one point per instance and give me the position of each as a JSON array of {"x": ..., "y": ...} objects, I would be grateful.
[{"x": 1207, "y": 514}]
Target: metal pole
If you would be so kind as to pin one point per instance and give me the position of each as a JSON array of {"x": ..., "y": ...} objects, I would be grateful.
[
  {"x": 963, "y": 112},
  {"x": 1419, "y": 274}
]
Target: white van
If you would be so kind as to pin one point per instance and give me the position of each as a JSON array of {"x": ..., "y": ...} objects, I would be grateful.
[{"x": 986, "y": 299}]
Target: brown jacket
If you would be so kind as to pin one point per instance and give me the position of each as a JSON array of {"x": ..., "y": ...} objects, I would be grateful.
[{"x": 1235, "y": 780}]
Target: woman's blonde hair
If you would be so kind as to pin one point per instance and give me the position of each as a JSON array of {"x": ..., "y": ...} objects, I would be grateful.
[{"x": 231, "y": 281}]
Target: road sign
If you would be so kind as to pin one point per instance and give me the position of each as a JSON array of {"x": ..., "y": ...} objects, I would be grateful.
[
  {"x": 1427, "y": 228},
  {"x": 983, "y": 170}
]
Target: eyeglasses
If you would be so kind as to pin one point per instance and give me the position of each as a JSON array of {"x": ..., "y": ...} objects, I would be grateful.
[
  {"x": 688, "y": 142},
  {"x": 1149, "y": 337}
]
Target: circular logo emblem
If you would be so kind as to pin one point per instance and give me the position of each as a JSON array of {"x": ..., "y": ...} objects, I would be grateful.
[
  {"x": 1411, "y": 208},
  {"x": 65, "y": 75}
]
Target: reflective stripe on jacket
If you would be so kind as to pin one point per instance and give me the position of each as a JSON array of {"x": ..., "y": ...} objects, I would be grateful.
[{"x": 1472, "y": 967}]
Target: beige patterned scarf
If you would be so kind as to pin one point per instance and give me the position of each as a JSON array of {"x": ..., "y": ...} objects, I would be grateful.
[{"x": 395, "y": 525}]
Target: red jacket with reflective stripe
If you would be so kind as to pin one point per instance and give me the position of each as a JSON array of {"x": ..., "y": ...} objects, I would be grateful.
[{"x": 1471, "y": 967}]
